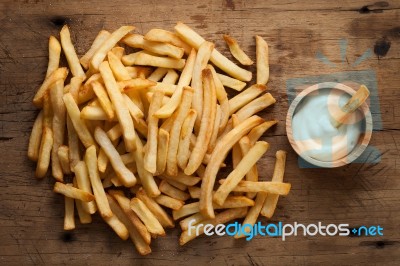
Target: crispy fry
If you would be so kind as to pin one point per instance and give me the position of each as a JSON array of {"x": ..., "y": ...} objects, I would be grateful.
[
  {"x": 262, "y": 60},
  {"x": 193, "y": 219},
  {"x": 269, "y": 206},
  {"x": 83, "y": 182},
  {"x": 102, "y": 96},
  {"x": 158, "y": 74},
  {"x": 194, "y": 192},
  {"x": 107, "y": 45},
  {"x": 245, "y": 97},
  {"x": 172, "y": 167},
  {"x": 162, "y": 150},
  {"x": 79, "y": 125},
  {"x": 86, "y": 92},
  {"x": 236, "y": 51},
  {"x": 214, "y": 134},
  {"x": 91, "y": 112},
  {"x": 217, "y": 157},
  {"x": 63, "y": 157},
  {"x": 95, "y": 181},
  {"x": 84, "y": 217},
  {"x": 70, "y": 54},
  {"x": 148, "y": 218},
  {"x": 73, "y": 144},
  {"x": 118, "y": 69},
  {"x": 71, "y": 192},
  {"x": 54, "y": 55},
  {"x": 119, "y": 52},
  {"x": 69, "y": 221},
  {"x": 231, "y": 82},
  {"x": 265, "y": 186},
  {"x": 252, "y": 174},
  {"x": 184, "y": 139},
  {"x": 35, "y": 138},
  {"x": 134, "y": 110},
  {"x": 150, "y": 153},
  {"x": 44, "y": 152},
  {"x": 187, "y": 180},
  {"x": 172, "y": 191},
  {"x": 59, "y": 73},
  {"x": 121, "y": 110},
  {"x": 259, "y": 130},
  {"x": 98, "y": 41},
  {"x": 186, "y": 210},
  {"x": 255, "y": 106},
  {"x": 136, "y": 84},
  {"x": 195, "y": 40},
  {"x": 207, "y": 123},
  {"x": 236, "y": 152},
  {"x": 159, "y": 35},
  {"x": 171, "y": 77},
  {"x": 168, "y": 89},
  {"x": 176, "y": 184},
  {"x": 144, "y": 59},
  {"x": 118, "y": 227},
  {"x": 169, "y": 202}
]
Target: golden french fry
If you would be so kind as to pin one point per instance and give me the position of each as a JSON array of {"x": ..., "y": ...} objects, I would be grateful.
[
  {"x": 195, "y": 40},
  {"x": 148, "y": 218},
  {"x": 73, "y": 144},
  {"x": 193, "y": 219},
  {"x": 150, "y": 154},
  {"x": 121, "y": 110},
  {"x": 214, "y": 134},
  {"x": 181, "y": 113},
  {"x": 143, "y": 59},
  {"x": 119, "y": 52},
  {"x": 118, "y": 69},
  {"x": 269, "y": 206},
  {"x": 95, "y": 181},
  {"x": 237, "y": 52},
  {"x": 220, "y": 218},
  {"x": 184, "y": 139},
  {"x": 78, "y": 123},
  {"x": 217, "y": 157},
  {"x": 264, "y": 186},
  {"x": 136, "y": 84},
  {"x": 184, "y": 80},
  {"x": 248, "y": 160},
  {"x": 203, "y": 55},
  {"x": 165, "y": 99},
  {"x": 186, "y": 210},
  {"x": 102, "y": 96},
  {"x": 255, "y": 106},
  {"x": 176, "y": 184},
  {"x": 187, "y": 180},
  {"x": 159, "y": 35},
  {"x": 236, "y": 152},
  {"x": 134, "y": 110},
  {"x": 35, "y": 138},
  {"x": 172, "y": 191},
  {"x": 118, "y": 227},
  {"x": 63, "y": 157},
  {"x": 259, "y": 130},
  {"x": 252, "y": 174},
  {"x": 171, "y": 77},
  {"x": 44, "y": 152},
  {"x": 54, "y": 55},
  {"x": 138, "y": 41},
  {"x": 138, "y": 71},
  {"x": 93, "y": 113},
  {"x": 163, "y": 217},
  {"x": 169, "y": 202},
  {"x": 207, "y": 123},
  {"x": 69, "y": 220},
  {"x": 162, "y": 150},
  {"x": 168, "y": 89},
  {"x": 245, "y": 97},
  {"x": 231, "y": 82},
  {"x": 107, "y": 45},
  {"x": 59, "y": 73},
  {"x": 262, "y": 60},
  {"x": 158, "y": 74},
  {"x": 194, "y": 192},
  {"x": 86, "y": 92},
  {"x": 141, "y": 245},
  {"x": 98, "y": 41},
  {"x": 84, "y": 217},
  {"x": 71, "y": 192},
  {"x": 70, "y": 54},
  {"x": 83, "y": 182},
  {"x": 123, "y": 173}
]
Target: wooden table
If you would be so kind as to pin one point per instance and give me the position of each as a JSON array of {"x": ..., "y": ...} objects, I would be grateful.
[{"x": 31, "y": 215}]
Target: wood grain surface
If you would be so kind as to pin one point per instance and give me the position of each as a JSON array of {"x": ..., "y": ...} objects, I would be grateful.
[{"x": 31, "y": 215}]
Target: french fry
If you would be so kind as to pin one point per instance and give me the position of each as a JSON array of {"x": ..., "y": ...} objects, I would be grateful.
[
  {"x": 63, "y": 157},
  {"x": 176, "y": 184},
  {"x": 186, "y": 210},
  {"x": 187, "y": 180},
  {"x": 121, "y": 110},
  {"x": 44, "y": 152},
  {"x": 207, "y": 123},
  {"x": 143, "y": 59},
  {"x": 73, "y": 144},
  {"x": 104, "y": 101},
  {"x": 162, "y": 150},
  {"x": 259, "y": 130},
  {"x": 193, "y": 219},
  {"x": 134, "y": 110},
  {"x": 173, "y": 192},
  {"x": 217, "y": 157},
  {"x": 163, "y": 217},
  {"x": 123, "y": 173},
  {"x": 138, "y": 71},
  {"x": 118, "y": 69},
  {"x": 54, "y": 55},
  {"x": 124, "y": 203},
  {"x": 35, "y": 138},
  {"x": 86, "y": 92},
  {"x": 236, "y": 152},
  {"x": 71, "y": 192},
  {"x": 115, "y": 132},
  {"x": 181, "y": 113},
  {"x": 214, "y": 134},
  {"x": 83, "y": 183},
  {"x": 58, "y": 126},
  {"x": 262, "y": 60},
  {"x": 184, "y": 139},
  {"x": 231, "y": 82},
  {"x": 245, "y": 97},
  {"x": 118, "y": 227},
  {"x": 168, "y": 89},
  {"x": 141, "y": 245},
  {"x": 269, "y": 206},
  {"x": 248, "y": 160},
  {"x": 79, "y": 125},
  {"x": 195, "y": 40},
  {"x": 220, "y": 218},
  {"x": 171, "y": 77},
  {"x": 119, "y": 52},
  {"x": 107, "y": 45},
  {"x": 149, "y": 96},
  {"x": 94, "y": 113},
  {"x": 252, "y": 174},
  {"x": 69, "y": 221},
  {"x": 194, "y": 192},
  {"x": 264, "y": 186},
  {"x": 70, "y": 54},
  {"x": 148, "y": 218},
  {"x": 59, "y": 73},
  {"x": 169, "y": 202},
  {"x": 138, "y": 41},
  {"x": 95, "y": 181},
  {"x": 98, "y": 41},
  {"x": 158, "y": 74},
  {"x": 236, "y": 51},
  {"x": 84, "y": 216},
  {"x": 255, "y": 106},
  {"x": 159, "y": 35},
  {"x": 184, "y": 80},
  {"x": 150, "y": 153},
  {"x": 135, "y": 84}
]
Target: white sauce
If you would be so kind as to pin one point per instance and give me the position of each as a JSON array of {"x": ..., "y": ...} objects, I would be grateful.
[{"x": 313, "y": 130}]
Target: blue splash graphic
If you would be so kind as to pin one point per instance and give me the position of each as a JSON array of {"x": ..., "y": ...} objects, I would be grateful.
[
  {"x": 367, "y": 54},
  {"x": 343, "y": 49},
  {"x": 321, "y": 57}
]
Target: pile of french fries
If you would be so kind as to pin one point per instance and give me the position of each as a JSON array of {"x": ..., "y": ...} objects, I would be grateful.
[{"x": 142, "y": 126}]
